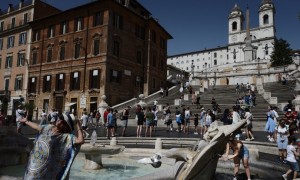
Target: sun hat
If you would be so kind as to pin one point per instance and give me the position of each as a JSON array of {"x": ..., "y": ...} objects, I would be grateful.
[{"x": 69, "y": 118}]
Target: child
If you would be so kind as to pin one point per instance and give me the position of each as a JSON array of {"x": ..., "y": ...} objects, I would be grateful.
[
  {"x": 196, "y": 121},
  {"x": 291, "y": 158}
]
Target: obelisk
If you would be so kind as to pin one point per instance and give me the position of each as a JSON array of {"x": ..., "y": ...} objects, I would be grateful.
[{"x": 248, "y": 50}]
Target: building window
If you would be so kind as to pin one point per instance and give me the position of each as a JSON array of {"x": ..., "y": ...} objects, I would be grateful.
[
  {"x": 47, "y": 83},
  {"x": 46, "y": 105},
  {"x": 162, "y": 65},
  {"x": 77, "y": 50},
  {"x": 116, "y": 49},
  {"x": 139, "y": 82},
  {"x": 215, "y": 62},
  {"x": 49, "y": 54},
  {"x": 62, "y": 52},
  {"x": 139, "y": 57},
  {"x": 10, "y": 41},
  {"x": 13, "y": 22},
  {"x": 266, "y": 19},
  {"x": 36, "y": 35},
  {"x": 23, "y": 38},
  {"x": 34, "y": 56},
  {"x": 153, "y": 36},
  {"x": 51, "y": 31},
  {"x": 32, "y": 85},
  {"x": 25, "y": 18},
  {"x": 154, "y": 59},
  {"x": 18, "y": 83},
  {"x": 98, "y": 18},
  {"x": 6, "y": 84},
  {"x": 215, "y": 55},
  {"x": 94, "y": 79},
  {"x": 60, "y": 82},
  {"x": 75, "y": 81},
  {"x": 163, "y": 43},
  {"x": 8, "y": 62},
  {"x": 21, "y": 59},
  {"x": 139, "y": 31},
  {"x": 234, "y": 26},
  {"x": 79, "y": 24},
  {"x": 96, "y": 47},
  {"x": 63, "y": 27},
  {"x": 1, "y": 25},
  {"x": 115, "y": 76},
  {"x": 117, "y": 21},
  {"x": 1, "y": 43}
]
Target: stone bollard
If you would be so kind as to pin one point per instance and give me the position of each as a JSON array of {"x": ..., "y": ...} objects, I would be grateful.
[
  {"x": 158, "y": 144},
  {"x": 113, "y": 141}
]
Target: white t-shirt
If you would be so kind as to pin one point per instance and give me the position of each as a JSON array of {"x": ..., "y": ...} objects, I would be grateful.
[
  {"x": 84, "y": 119},
  {"x": 281, "y": 132},
  {"x": 248, "y": 117},
  {"x": 187, "y": 114},
  {"x": 208, "y": 120},
  {"x": 19, "y": 114},
  {"x": 235, "y": 117},
  {"x": 290, "y": 155}
]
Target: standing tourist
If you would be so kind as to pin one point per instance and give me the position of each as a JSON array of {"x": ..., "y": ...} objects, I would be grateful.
[
  {"x": 20, "y": 114},
  {"x": 291, "y": 158},
  {"x": 196, "y": 122},
  {"x": 240, "y": 152},
  {"x": 140, "y": 116},
  {"x": 270, "y": 125},
  {"x": 149, "y": 121},
  {"x": 178, "y": 119},
  {"x": 249, "y": 126},
  {"x": 110, "y": 131},
  {"x": 84, "y": 123},
  {"x": 237, "y": 88},
  {"x": 43, "y": 118},
  {"x": 54, "y": 149},
  {"x": 281, "y": 136},
  {"x": 198, "y": 101},
  {"x": 187, "y": 116},
  {"x": 167, "y": 91},
  {"x": 202, "y": 121},
  {"x": 235, "y": 119},
  {"x": 208, "y": 120},
  {"x": 124, "y": 119}
]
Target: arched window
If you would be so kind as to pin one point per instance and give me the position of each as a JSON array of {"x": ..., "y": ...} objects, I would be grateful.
[
  {"x": 266, "y": 19},
  {"x": 234, "y": 26}
]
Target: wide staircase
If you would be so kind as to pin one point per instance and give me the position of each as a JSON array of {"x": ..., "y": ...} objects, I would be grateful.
[{"x": 284, "y": 93}]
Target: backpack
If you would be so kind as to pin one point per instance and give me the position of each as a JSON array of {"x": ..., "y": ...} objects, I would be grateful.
[{"x": 187, "y": 115}]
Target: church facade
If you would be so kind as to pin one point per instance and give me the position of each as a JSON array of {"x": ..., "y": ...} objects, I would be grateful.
[{"x": 216, "y": 59}]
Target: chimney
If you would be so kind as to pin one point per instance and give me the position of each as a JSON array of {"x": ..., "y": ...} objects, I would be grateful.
[
  {"x": 10, "y": 8},
  {"x": 21, "y": 4}
]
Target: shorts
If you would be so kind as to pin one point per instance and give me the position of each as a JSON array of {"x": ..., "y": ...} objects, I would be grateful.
[
  {"x": 244, "y": 153},
  {"x": 19, "y": 124},
  {"x": 124, "y": 123},
  {"x": 169, "y": 122},
  {"x": 294, "y": 166},
  {"x": 249, "y": 126},
  {"x": 202, "y": 123},
  {"x": 140, "y": 122},
  {"x": 196, "y": 123},
  {"x": 187, "y": 122},
  {"x": 149, "y": 123},
  {"x": 155, "y": 122},
  {"x": 282, "y": 143}
]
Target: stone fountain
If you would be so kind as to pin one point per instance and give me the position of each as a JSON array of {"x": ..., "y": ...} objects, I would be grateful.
[{"x": 93, "y": 152}]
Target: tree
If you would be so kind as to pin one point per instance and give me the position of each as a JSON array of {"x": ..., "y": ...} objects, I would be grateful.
[{"x": 281, "y": 54}]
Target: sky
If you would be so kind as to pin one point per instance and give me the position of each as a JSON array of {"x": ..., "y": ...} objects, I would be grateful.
[{"x": 199, "y": 24}]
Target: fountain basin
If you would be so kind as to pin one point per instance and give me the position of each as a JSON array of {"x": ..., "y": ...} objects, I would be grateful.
[{"x": 93, "y": 154}]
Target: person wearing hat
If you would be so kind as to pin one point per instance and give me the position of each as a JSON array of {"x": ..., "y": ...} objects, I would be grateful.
[{"x": 54, "y": 149}]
